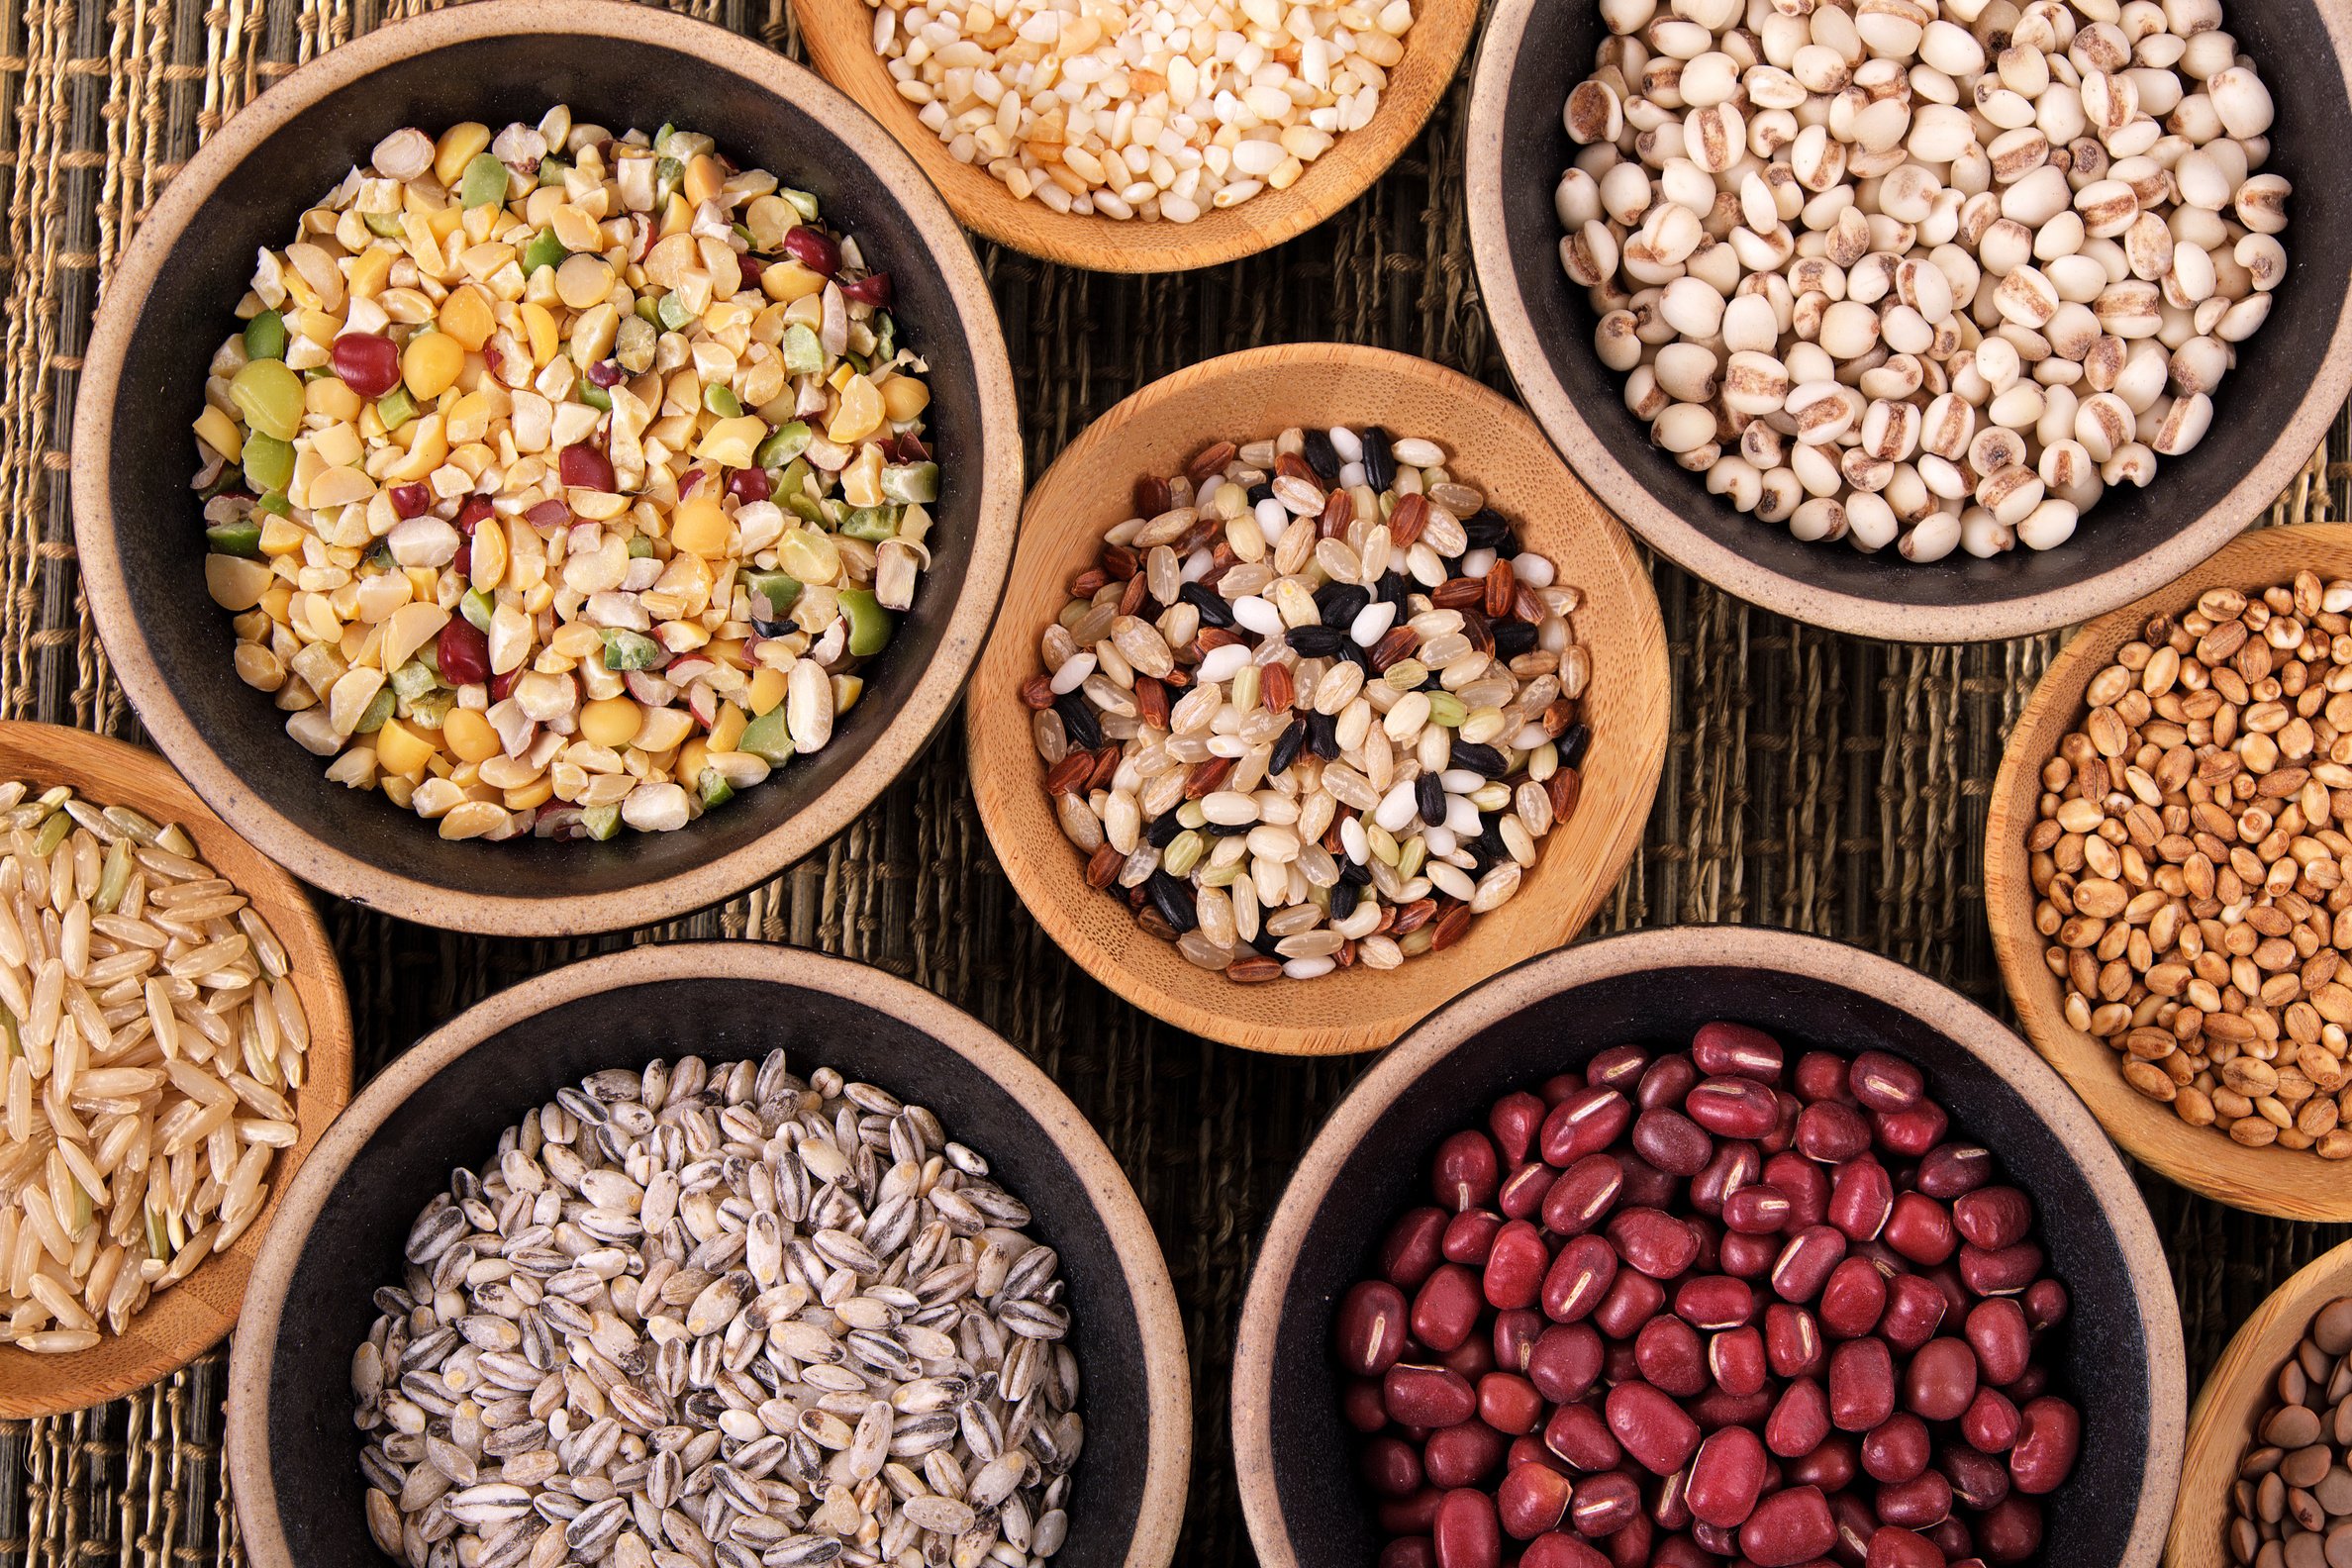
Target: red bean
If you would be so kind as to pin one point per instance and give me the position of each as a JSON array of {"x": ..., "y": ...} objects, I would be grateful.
[
  {"x": 1784, "y": 1128},
  {"x": 1893, "y": 1546},
  {"x": 1727, "y": 1477},
  {"x": 1856, "y": 1522},
  {"x": 2049, "y": 1435},
  {"x": 1651, "y": 1427},
  {"x": 1671, "y": 1355},
  {"x": 463, "y": 652},
  {"x": 1853, "y": 1299},
  {"x": 1521, "y": 1195},
  {"x": 1737, "y": 1050},
  {"x": 1391, "y": 1467},
  {"x": 1445, "y": 1311},
  {"x": 584, "y": 467},
  {"x": 1832, "y": 1134},
  {"x": 1735, "y": 1360},
  {"x": 1941, "y": 1380},
  {"x": 1516, "y": 1331},
  {"x": 1805, "y": 1184},
  {"x": 1466, "y": 1172},
  {"x": 1714, "y": 1302},
  {"x": 1509, "y": 1403},
  {"x": 1979, "y": 1480},
  {"x": 1406, "y": 1552},
  {"x": 1647, "y": 1186},
  {"x": 1922, "y": 1503},
  {"x": 1515, "y": 1264},
  {"x": 2011, "y": 1531},
  {"x": 1361, "y": 1404},
  {"x": 1665, "y": 1082},
  {"x": 1789, "y": 1528},
  {"x": 1412, "y": 1515},
  {"x": 1604, "y": 1504},
  {"x": 1991, "y": 1423},
  {"x": 1672, "y": 1141},
  {"x": 1804, "y": 1264},
  {"x": 2045, "y": 1304},
  {"x": 1514, "y": 1121},
  {"x": 1861, "y": 1385},
  {"x": 1952, "y": 1170},
  {"x": 1471, "y": 1360},
  {"x": 1531, "y": 1451},
  {"x": 1371, "y": 1327},
  {"x": 1561, "y": 1550},
  {"x": 1861, "y": 1196},
  {"x": 2031, "y": 1385},
  {"x": 1736, "y": 1166},
  {"x": 1800, "y": 1419},
  {"x": 1680, "y": 1551},
  {"x": 1822, "y": 1075},
  {"x": 1631, "y": 1548},
  {"x": 1580, "y": 1275},
  {"x": 821, "y": 253},
  {"x": 1831, "y": 1466},
  {"x": 1410, "y": 1255},
  {"x": 1761, "y": 1210},
  {"x": 1713, "y": 1541},
  {"x": 1916, "y": 1308},
  {"x": 1582, "y": 1195},
  {"x": 1565, "y": 1362},
  {"x": 1952, "y": 1538},
  {"x": 1733, "y": 1108},
  {"x": 1468, "y": 1235},
  {"x": 1910, "y": 1133},
  {"x": 1631, "y": 1302},
  {"x": 1885, "y": 1082},
  {"x": 1920, "y": 1229},
  {"x": 1999, "y": 1273},
  {"x": 1428, "y": 1395},
  {"x": 1463, "y": 1455},
  {"x": 1996, "y": 1331},
  {"x": 1617, "y": 1067},
  {"x": 1533, "y": 1500},
  {"x": 1896, "y": 1449},
  {"x": 1584, "y": 1121},
  {"x": 1653, "y": 1241},
  {"x": 1793, "y": 1341},
  {"x": 1718, "y": 1408},
  {"x": 1467, "y": 1534},
  {"x": 368, "y": 363},
  {"x": 1579, "y": 1434},
  {"x": 1993, "y": 1218},
  {"x": 1747, "y": 1257}
]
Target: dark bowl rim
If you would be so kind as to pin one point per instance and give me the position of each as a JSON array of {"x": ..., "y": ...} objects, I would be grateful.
[
  {"x": 1941, "y": 1008},
  {"x": 1693, "y": 549},
  {"x": 997, "y": 479},
  {"x": 1143, "y": 1269}
]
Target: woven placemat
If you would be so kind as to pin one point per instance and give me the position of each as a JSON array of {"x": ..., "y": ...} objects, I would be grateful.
[{"x": 1813, "y": 781}]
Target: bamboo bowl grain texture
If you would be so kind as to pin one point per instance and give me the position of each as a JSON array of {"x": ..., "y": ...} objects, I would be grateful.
[
  {"x": 2236, "y": 1393},
  {"x": 839, "y": 34},
  {"x": 1490, "y": 443},
  {"x": 2270, "y": 416},
  {"x": 2291, "y": 1184},
  {"x": 192, "y": 1317}
]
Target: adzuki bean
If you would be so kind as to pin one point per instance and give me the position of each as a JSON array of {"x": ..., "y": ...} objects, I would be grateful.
[{"x": 1732, "y": 1303}]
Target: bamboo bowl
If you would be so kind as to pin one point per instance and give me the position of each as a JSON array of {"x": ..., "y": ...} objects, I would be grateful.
[
  {"x": 193, "y": 1316},
  {"x": 839, "y": 34},
  {"x": 1493, "y": 445},
  {"x": 2273, "y": 1181},
  {"x": 2236, "y": 1393}
]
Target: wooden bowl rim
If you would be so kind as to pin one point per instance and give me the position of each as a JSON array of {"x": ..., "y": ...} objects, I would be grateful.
[
  {"x": 113, "y": 773},
  {"x": 1945, "y": 1010},
  {"x": 2221, "y": 1423},
  {"x": 1164, "y": 1372},
  {"x": 2286, "y": 1183},
  {"x": 840, "y": 39},
  {"x": 1693, "y": 550},
  {"x": 996, "y": 477},
  {"x": 1052, "y": 884}
]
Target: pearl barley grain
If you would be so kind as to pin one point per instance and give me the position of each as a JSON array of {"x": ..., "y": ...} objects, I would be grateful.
[{"x": 1933, "y": 273}]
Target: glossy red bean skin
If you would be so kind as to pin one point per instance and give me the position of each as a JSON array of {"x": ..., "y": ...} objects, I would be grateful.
[
  {"x": 1832, "y": 1134},
  {"x": 1521, "y": 1195},
  {"x": 1978, "y": 1480},
  {"x": 1463, "y": 1455},
  {"x": 1759, "y": 1210},
  {"x": 1999, "y": 1273},
  {"x": 1952, "y": 1170},
  {"x": 1533, "y": 1500},
  {"x": 1671, "y": 1355},
  {"x": 1856, "y": 1522},
  {"x": 1472, "y": 1359},
  {"x": 1852, "y": 1299},
  {"x": 1514, "y": 1121},
  {"x": 1617, "y": 1067},
  {"x": 1604, "y": 1504},
  {"x": 2049, "y": 1436},
  {"x": 368, "y": 363},
  {"x": 1565, "y": 1362},
  {"x": 1361, "y": 1404},
  {"x": 1800, "y": 1419},
  {"x": 1412, "y": 1515},
  {"x": 1585, "y": 1120},
  {"x": 1580, "y": 1275},
  {"x": 2045, "y": 1302},
  {"x": 1735, "y": 1360},
  {"x": 1993, "y": 1218},
  {"x": 1805, "y": 1264},
  {"x": 1468, "y": 1237},
  {"x": 1922, "y": 1503},
  {"x": 1727, "y": 1477},
  {"x": 1652, "y": 1242},
  {"x": 1747, "y": 1257},
  {"x": 1897, "y": 1448},
  {"x": 1916, "y": 1308},
  {"x": 1793, "y": 1341},
  {"x": 1736, "y": 1050},
  {"x": 1952, "y": 1538},
  {"x": 1893, "y": 1546},
  {"x": 1861, "y": 1196},
  {"x": 1665, "y": 1082},
  {"x": 1680, "y": 1551},
  {"x": 1445, "y": 1310},
  {"x": 1466, "y": 1172},
  {"x": 1630, "y": 1546},
  {"x": 1509, "y": 1403},
  {"x": 1831, "y": 1466},
  {"x": 1562, "y": 1551},
  {"x": 1583, "y": 1194},
  {"x": 1736, "y": 1166},
  {"x": 1885, "y": 1082},
  {"x": 1789, "y": 1528},
  {"x": 2011, "y": 1531},
  {"x": 1407, "y": 1551},
  {"x": 1733, "y": 1108},
  {"x": 1467, "y": 1531},
  {"x": 1920, "y": 1229},
  {"x": 1861, "y": 1385},
  {"x": 1410, "y": 1252},
  {"x": 1517, "y": 1331},
  {"x": 1822, "y": 1075},
  {"x": 1713, "y": 1303},
  {"x": 1991, "y": 1423},
  {"x": 1579, "y": 1434},
  {"x": 1631, "y": 1302},
  {"x": 1372, "y": 1328},
  {"x": 1806, "y": 1185},
  {"x": 1996, "y": 1331},
  {"x": 1428, "y": 1395},
  {"x": 1647, "y": 1186},
  {"x": 1941, "y": 1380},
  {"x": 1910, "y": 1133},
  {"x": 1672, "y": 1141},
  {"x": 1652, "y": 1429},
  {"x": 1391, "y": 1467},
  {"x": 1515, "y": 1264}
]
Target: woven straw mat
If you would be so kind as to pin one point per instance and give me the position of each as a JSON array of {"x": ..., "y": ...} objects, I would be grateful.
[{"x": 1813, "y": 781}]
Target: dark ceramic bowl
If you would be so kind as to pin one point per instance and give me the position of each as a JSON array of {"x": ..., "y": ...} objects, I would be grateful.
[
  {"x": 142, "y": 542},
  {"x": 2121, "y": 1361},
  {"x": 341, "y": 1228},
  {"x": 2271, "y": 415}
]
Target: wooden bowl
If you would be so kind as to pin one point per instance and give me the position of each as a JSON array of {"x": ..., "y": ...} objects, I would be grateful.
[
  {"x": 2236, "y": 1395},
  {"x": 136, "y": 520},
  {"x": 1493, "y": 445},
  {"x": 2271, "y": 413},
  {"x": 2273, "y": 1181},
  {"x": 184, "y": 1322},
  {"x": 293, "y": 1451},
  {"x": 839, "y": 34},
  {"x": 2121, "y": 1358}
]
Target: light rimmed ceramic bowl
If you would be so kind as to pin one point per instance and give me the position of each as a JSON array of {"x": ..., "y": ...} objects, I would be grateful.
[
  {"x": 168, "y": 303},
  {"x": 839, "y": 34},
  {"x": 1492, "y": 444},
  {"x": 2287, "y": 1183},
  {"x": 2270, "y": 413},
  {"x": 2123, "y": 1360},
  {"x": 192, "y": 1316},
  {"x": 2236, "y": 1395},
  {"x": 293, "y": 1451}
]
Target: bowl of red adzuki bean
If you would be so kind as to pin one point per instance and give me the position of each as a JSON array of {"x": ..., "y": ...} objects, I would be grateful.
[{"x": 1707, "y": 1247}]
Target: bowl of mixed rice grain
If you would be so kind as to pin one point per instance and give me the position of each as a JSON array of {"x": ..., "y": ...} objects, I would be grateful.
[
  {"x": 718, "y": 1248},
  {"x": 137, "y": 1173},
  {"x": 604, "y": 466}
]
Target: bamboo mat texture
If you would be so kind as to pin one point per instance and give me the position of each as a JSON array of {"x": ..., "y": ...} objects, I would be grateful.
[{"x": 1813, "y": 781}]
